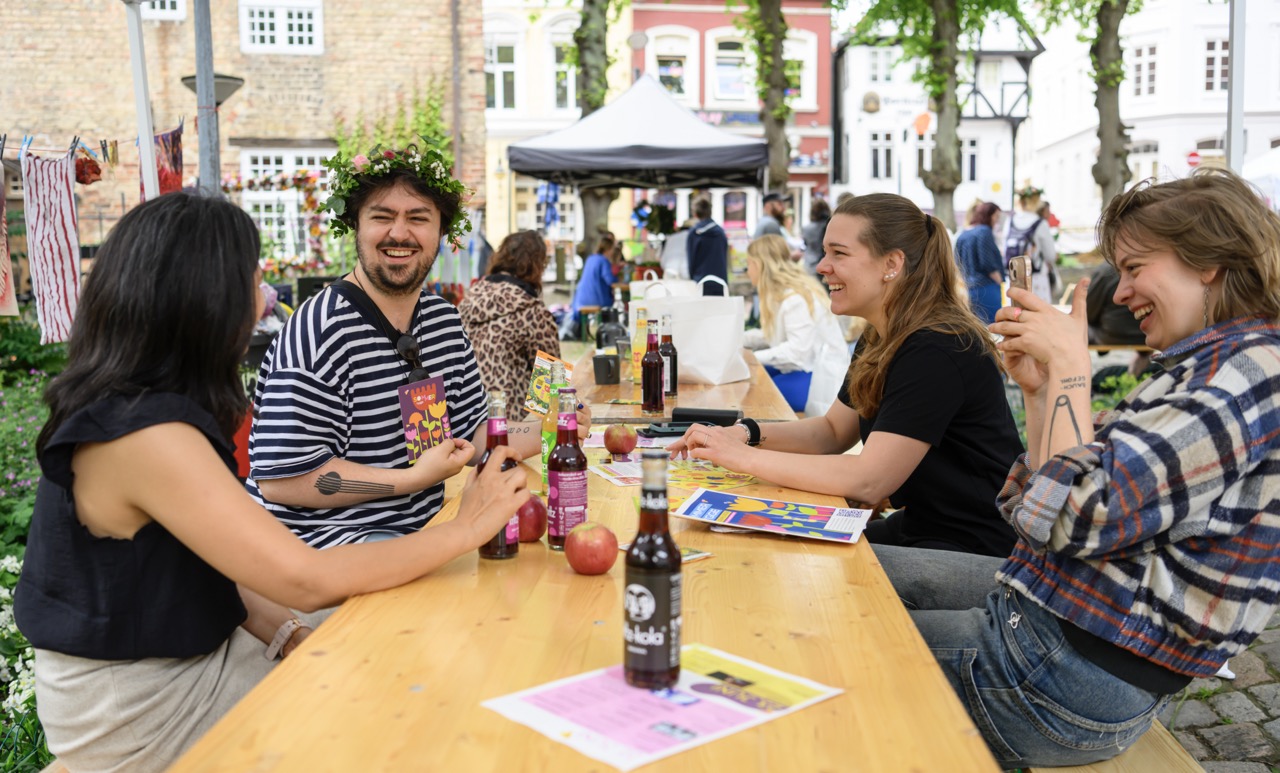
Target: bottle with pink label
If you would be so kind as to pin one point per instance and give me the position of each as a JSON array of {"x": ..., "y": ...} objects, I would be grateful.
[
  {"x": 506, "y": 543},
  {"x": 566, "y": 474}
]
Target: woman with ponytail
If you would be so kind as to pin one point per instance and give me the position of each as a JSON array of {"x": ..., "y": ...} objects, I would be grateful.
[{"x": 924, "y": 393}]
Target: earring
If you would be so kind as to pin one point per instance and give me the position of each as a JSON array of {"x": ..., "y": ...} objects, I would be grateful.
[
  {"x": 1206, "y": 305},
  {"x": 890, "y": 275}
]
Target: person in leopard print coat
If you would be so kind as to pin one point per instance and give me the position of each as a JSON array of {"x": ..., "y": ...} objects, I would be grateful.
[{"x": 505, "y": 318}]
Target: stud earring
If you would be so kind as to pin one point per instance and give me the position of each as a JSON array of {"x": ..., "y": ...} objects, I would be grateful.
[{"x": 890, "y": 275}]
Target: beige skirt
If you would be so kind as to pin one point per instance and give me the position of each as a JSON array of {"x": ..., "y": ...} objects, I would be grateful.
[{"x": 140, "y": 715}]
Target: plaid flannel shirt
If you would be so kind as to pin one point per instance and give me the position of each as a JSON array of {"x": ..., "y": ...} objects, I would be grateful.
[{"x": 1163, "y": 535}]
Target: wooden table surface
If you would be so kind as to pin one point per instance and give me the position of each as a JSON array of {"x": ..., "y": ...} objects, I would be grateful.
[
  {"x": 756, "y": 397},
  {"x": 394, "y": 680}
]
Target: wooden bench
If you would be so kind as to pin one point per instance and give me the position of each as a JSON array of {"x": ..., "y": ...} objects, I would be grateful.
[{"x": 1157, "y": 751}]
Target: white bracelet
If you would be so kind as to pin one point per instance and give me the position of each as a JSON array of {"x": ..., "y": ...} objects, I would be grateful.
[{"x": 282, "y": 637}]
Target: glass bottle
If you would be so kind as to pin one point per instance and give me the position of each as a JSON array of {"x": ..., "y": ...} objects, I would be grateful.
[
  {"x": 506, "y": 543},
  {"x": 670, "y": 362},
  {"x": 652, "y": 602},
  {"x": 651, "y": 369},
  {"x": 566, "y": 474},
  {"x": 557, "y": 381},
  {"x": 637, "y": 344},
  {"x": 619, "y": 306}
]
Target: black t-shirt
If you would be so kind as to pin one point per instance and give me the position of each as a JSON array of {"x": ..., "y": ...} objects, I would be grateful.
[{"x": 947, "y": 392}]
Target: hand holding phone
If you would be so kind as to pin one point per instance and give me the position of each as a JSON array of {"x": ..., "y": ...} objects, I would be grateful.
[{"x": 1019, "y": 275}]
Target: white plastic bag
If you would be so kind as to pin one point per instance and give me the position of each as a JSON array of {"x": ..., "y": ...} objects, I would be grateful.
[{"x": 707, "y": 333}]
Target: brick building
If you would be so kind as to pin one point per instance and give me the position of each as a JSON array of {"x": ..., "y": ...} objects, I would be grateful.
[{"x": 305, "y": 64}]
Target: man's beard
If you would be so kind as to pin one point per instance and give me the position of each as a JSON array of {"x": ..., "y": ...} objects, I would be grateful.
[{"x": 404, "y": 280}]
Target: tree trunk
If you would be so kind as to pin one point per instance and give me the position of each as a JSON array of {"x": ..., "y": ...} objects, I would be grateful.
[
  {"x": 1111, "y": 171},
  {"x": 593, "y": 64},
  {"x": 943, "y": 177},
  {"x": 771, "y": 73}
]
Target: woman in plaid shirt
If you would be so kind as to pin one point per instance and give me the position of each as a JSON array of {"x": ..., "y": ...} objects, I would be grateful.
[{"x": 1147, "y": 543}]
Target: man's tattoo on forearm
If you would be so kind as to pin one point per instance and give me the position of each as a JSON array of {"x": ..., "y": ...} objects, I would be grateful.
[
  {"x": 332, "y": 483},
  {"x": 1063, "y": 400},
  {"x": 1074, "y": 382}
]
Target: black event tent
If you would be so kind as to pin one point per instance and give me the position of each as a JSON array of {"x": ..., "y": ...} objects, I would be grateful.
[{"x": 642, "y": 139}]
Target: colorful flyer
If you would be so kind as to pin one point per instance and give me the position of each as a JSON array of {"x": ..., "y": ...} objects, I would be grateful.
[
  {"x": 540, "y": 383},
  {"x": 596, "y": 440},
  {"x": 687, "y": 555},
  {"x": 681, "y": 473},
  {"x": 795, "y": 519},
  {"x": 425, "y": 415},
  {"x": 601, "y": 716}
]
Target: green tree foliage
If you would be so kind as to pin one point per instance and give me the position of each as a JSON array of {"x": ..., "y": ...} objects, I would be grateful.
[
  {"x": 592, "y": 59},
  {"x": 1099, "y": 22},
  {"x": 929, "y": 32},
  {"x": 398, "y": 125}
]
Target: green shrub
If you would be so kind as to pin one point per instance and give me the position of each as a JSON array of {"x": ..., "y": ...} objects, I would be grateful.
[
  {"x": 22, "y": 414},
  {"x": 21, "y": 351}
]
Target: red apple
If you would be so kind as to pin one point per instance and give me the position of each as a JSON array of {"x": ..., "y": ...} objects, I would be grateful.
[
  {"x": 591, "y": 548},
  {"x": 533, "y": 519},
  {"x": 620, "y": 439}
]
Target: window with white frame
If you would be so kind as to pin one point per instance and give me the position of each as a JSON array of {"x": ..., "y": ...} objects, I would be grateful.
[
  {"x": 1144, "y": 70},
  {"x": 500, "y": 74},
  {"x": 282, "y": 27},
  {"x": 732, "y": 82},
  {"x": 880, "y": 66},
  {"x": 279, "y": 211},
  {"x": 1144, "y": 159},
  {"x": 673, "y": 58},
  {"x": 969, "y": 160},
  {"x": 924, "y": 152},
  {"x": 566, "y": 77},
  {"x": 1216, "y": 58},
  {"x": 164, "y": 10},
  {"x": 800, "y": 58},
  {"x": 881, "y": 155}
]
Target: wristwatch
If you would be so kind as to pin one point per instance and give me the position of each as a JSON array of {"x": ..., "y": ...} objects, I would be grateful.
[
  {"x": 282, "y": 637},
  {"x": 753, "y": 431}
]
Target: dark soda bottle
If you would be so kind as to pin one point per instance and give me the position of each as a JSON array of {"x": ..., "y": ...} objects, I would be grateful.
[
  {"x": 651, "y": 373},
  {"x": 670, "y": 362},
  {"x": 506, "y": 543},
  {"x": 652, "y": 604},
  {"x": 566, "y": 474}
]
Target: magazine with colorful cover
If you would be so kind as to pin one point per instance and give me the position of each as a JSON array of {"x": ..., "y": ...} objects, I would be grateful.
[
  {"x": 540, "y": 382},
  {"x": 425, "y": 415},
  {"x": 796, "y": 519}
]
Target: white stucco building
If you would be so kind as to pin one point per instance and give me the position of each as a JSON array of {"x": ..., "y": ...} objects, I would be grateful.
[
  {"x": 1173, "y": 98},
  {"x": 885, "y": 130}
]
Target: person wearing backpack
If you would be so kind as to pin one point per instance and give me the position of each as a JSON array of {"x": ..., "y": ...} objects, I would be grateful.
[{"x": 1029, "y": 234}]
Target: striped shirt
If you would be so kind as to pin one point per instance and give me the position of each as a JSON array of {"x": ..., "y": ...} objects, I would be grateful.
[
  {"x": 328, "y": 388},
  {"x": 1163, "y": 535}
]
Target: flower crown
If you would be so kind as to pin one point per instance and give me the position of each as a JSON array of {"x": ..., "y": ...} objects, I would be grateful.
[
  {"x": 428, "y": 164},
  {"x": 1030, "y": 191}
]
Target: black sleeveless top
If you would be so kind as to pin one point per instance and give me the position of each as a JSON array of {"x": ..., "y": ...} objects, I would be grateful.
[{"x": 119, "y": 599}]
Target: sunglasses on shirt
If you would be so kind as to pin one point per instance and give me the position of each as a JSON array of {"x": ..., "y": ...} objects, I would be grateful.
[{"x": 407, "y": 347}]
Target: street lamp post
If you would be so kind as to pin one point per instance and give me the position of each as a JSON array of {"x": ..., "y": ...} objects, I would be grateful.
[{"x": 211, "y": 91}]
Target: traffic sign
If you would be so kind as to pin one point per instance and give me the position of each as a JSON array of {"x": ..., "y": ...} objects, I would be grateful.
[{"x": 1193, "y": 158}]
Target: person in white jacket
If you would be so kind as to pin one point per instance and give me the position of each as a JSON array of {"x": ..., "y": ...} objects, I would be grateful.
[{"x": 799, "y": 341}]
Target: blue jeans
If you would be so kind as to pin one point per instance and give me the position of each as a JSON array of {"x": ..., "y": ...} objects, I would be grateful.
[{"x": 1034, "y": 699}]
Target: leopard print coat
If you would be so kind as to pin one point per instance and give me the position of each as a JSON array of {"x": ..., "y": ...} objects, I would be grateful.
[{"x": 507, "y": 325}]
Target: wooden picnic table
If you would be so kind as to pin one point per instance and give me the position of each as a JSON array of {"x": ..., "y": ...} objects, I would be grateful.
[
  {"x": 756, "y": 397},
  {"x": 394, "y": 680}
]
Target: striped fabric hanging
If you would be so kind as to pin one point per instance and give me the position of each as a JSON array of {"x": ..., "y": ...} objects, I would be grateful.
[
  {"x": 8, "y": 291},
  {"x": 53, "y": 242}
]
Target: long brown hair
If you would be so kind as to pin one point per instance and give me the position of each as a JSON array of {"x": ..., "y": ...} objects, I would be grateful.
[
  {"x": 1212, "y": 219},
  {"x": 925, "y": 295},
  {"x": 523, "y": 255}
]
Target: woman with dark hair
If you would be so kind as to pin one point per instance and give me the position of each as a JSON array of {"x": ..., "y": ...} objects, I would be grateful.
[
  {"x": 924, "y": 393},
  {"x": 980, "y": 262},
  {"x": 812, "y": 233},
  {"x": 506, "y": 321},
  {"x": 1146, "y": 551},
  {"x": 153, "y": 585}
]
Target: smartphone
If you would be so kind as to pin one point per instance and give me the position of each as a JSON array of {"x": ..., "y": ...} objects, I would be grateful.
[
  {"x": 664, "y": 429},
  {"x": 1019, "y": 275}
]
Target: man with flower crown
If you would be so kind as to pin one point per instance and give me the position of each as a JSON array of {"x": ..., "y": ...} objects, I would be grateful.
[{"x": 327, "y": 450}]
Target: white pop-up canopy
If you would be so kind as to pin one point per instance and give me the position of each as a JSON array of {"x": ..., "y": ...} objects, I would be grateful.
[{"x": 642, "y": 139}]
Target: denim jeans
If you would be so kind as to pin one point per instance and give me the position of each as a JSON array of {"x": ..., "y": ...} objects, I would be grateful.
[{"x": 1034, "y": 699}]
